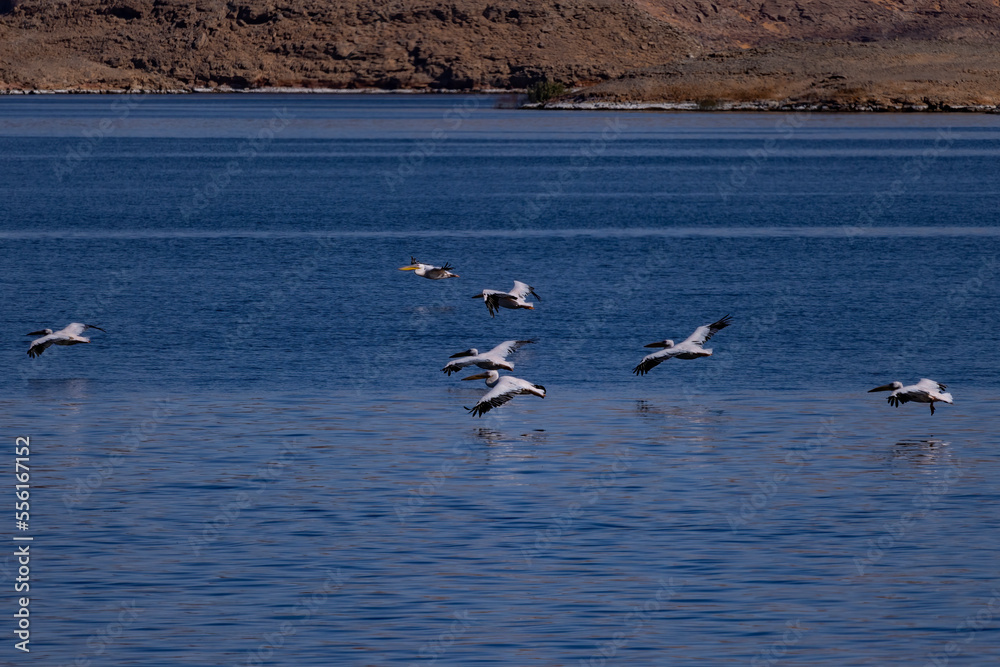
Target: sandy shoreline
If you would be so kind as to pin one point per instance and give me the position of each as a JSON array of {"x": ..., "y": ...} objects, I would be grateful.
[
  {"x": 719, "y": 106},
  {"x": 766, "y": 106}
]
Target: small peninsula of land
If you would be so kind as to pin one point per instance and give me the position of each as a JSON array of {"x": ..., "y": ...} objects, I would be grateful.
[{"x": 769, "y": 54}]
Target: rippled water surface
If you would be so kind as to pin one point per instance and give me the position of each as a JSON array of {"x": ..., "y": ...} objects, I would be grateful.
[{"x": 260, "y": 462}]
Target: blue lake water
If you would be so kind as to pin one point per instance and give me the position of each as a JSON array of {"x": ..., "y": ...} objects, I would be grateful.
[{"x": 260, "y": 462}]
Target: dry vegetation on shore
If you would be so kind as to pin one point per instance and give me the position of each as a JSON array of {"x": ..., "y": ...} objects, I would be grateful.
[{"x": 872, "y": 76}]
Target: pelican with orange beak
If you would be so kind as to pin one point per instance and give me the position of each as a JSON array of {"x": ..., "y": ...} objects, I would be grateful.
[{"x": 429, "y": 271}]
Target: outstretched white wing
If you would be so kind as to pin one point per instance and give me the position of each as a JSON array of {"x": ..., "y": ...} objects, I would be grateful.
[
  {"x": 930, "y": 386},
  {"x": 456, "y": 365},
  {"x": 507, "y": 347},
  {"x": 703, "y": 334},
  {"x": 502, "y": 392},
  {"x": 74, "y": 329},
  {"x": 522, "y": 290},
  {"x": 651, "y": 361},
  {"x": 77, "y": 328},
  {"x": 933, "y": 389},
  {"x": 39, "y": 345}
]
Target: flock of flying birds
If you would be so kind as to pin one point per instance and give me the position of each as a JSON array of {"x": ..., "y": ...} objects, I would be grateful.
[{"x": 504, "y": 388}]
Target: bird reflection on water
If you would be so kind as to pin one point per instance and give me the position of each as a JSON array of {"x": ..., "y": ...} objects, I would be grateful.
[
  {"x": 922, "y": 452},
  {"x": 59, "y": 389},
  {"x": 496, "y": 438},
  {"x": 696, "y": 414},
  {"x": 503, "y": 447}
]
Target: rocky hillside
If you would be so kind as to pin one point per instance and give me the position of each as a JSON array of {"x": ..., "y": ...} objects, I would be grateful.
[
  {"x": 739, "y": 23},
  {"x": 634, "y": 49},
  {"x": 464, "y": 44}
]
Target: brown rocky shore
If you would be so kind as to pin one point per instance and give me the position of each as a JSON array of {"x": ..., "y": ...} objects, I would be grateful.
[{"x": 770, "y": 54}]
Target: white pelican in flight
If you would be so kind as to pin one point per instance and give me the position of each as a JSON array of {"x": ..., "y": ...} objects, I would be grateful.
[
  {"x": 689, "y": 349},
  {"x": 68, "y": 336},
  {"x": 495, "y": 299},
  {"x": 502, "y": 390},
  {"x": 925, "y": 391},
  {"x": 493, "y": 360},
  {"x": 429, "y": 271}
]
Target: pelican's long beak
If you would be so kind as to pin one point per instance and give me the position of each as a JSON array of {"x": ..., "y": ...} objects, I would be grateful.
[
  {"x": 661, "y": 343},
  {"x": 409, "y": 268},
  {"x": 885, "y": 387},
  {"x": 477, "y": 376},
  {"x": 98, "y": 328},
  {"x": 467, "y": 353},
  {"x": 477, "y": 296},
  {"x": 37, "y": 333}
]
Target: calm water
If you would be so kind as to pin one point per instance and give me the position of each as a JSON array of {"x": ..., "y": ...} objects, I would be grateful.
[{"x": 261, "y": 463}]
